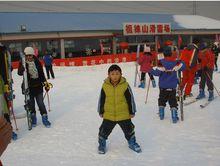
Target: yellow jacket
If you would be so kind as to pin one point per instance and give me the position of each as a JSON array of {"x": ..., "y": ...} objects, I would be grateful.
[{"x": 116, "y": 103}]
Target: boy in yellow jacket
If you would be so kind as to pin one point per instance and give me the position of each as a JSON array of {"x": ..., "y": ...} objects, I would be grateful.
[{"x": 116, "y": 106}]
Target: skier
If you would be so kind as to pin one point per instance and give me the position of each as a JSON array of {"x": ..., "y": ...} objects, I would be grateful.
[
  {"x": 168, "y": 81},
  {"x": 116, "y": 106},
  {"x": 48, "y": 61},
  {"x": 4, "y": 86},
  {"x": 189, "y": 74},
  {"x": 216, "y": 50},
  {"x": 206, "y": 64},
  {"x": 145, "y": 62},
  {"x": 36, "y": 81}
]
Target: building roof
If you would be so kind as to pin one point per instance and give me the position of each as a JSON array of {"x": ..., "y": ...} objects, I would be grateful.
[{"x": 56, "y": 22}]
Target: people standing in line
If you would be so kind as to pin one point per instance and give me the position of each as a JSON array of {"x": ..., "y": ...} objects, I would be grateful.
[{"x": 48, "y": 62}]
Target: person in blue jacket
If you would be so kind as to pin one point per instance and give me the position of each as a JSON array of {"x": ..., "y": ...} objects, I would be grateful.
[
  {"x": 48, "y": 61},
  {"x": 168, "y": 80}
]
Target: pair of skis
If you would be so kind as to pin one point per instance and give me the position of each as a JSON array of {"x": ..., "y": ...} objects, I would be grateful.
[
  {"x": 26, "y": 92},
  {"x": 205, "y": 104},
  {"x": 9, "y": 82}
]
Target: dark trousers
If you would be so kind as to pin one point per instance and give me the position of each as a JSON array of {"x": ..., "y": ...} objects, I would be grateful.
[
  {"x": 144, "y": 74},
  {"x": 167, "y": 95},
  {"x": 107, "y": 126},
  {"x": 206, "y": 78},
  {"x": 49, "y": 70},
  {"x": 40, "y": 102},
  {"x": 216, "y": 59}
]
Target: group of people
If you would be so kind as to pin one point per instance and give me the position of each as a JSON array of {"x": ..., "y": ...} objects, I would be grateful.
[
  {"x": 196, "y": 59},
  {"x": 116, "y": 102}
]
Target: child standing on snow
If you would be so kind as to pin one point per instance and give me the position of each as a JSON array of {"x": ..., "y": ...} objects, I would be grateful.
[
  {"x": 168, "y": 82},
  {"x": 145, "y": 62},
  {"x": 116, "y": 106}
]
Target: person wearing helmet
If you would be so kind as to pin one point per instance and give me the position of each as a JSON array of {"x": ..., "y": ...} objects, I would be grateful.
[
  {"x": 168, "y": 80},
  {"x": 36, "y": 81}
]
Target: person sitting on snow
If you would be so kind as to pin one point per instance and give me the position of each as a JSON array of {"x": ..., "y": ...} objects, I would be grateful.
[
  {"x": 36, "y": 81},
  {"x": 116, "y": 106},
  {"x": 168, "y": 81},
  {"x": 145, "y": 62}
]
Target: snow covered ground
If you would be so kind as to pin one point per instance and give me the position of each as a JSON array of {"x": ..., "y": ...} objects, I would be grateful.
[{"x": 72, "y": 139}]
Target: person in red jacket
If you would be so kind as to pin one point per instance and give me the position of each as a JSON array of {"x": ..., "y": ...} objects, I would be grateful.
[
  {"x": 145, "y": 62},
  {"x": 206, "y": 64},
  {"x": 189, "y": 72}
]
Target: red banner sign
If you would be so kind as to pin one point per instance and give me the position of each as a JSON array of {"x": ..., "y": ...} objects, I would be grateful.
[{"x": 146, "y": 28}]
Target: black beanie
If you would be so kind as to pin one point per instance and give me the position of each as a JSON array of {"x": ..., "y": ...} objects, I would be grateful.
[{"x": 114, "y": 67}]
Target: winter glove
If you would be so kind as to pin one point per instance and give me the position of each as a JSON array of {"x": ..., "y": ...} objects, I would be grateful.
[
  {"x": 177, "y": 67},
  {"x": 6, "y": 88},
  {"x": 47, "y": 86}
]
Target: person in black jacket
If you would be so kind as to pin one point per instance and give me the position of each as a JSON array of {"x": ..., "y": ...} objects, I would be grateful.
[
  {"x": 36, "y": 81},
  {"x": 216, "y": 50}
]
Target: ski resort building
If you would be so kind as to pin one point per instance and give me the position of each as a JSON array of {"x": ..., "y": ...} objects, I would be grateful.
[{"x": 81, "y": 35}]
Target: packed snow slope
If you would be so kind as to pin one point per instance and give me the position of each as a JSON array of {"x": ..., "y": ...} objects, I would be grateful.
[{"x": 72, "y": 138}]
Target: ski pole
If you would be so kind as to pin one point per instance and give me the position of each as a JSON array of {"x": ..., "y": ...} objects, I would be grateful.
[
  {"x": 212, "y": 82},
  {"x": 48, "y": 100},
  {"x": 148, "y": 87},
  {"x": 13, "y": 114}
]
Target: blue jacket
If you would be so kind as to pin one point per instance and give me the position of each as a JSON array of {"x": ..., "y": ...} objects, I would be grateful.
[
  {"x": 168, "y": 80},
  {"x": 48, "y": 60}
]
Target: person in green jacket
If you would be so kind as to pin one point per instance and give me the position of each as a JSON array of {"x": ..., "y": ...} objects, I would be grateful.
[{"x": 116, "y": 106}]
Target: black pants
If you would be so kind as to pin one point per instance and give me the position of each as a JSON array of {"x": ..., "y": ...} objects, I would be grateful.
[
  {"x": 216, "y": 59},
  {"x": 40, "y": 103},
  {"x": 49, "y": 70},
  {"x": 144, "y": 74},
  {"x": 206, "y": 78},
  {"x": 167, "y": 95},
  {"x": 107, "y": 126}
]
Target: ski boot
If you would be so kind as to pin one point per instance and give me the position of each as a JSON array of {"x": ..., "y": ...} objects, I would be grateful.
[
  {"x": 153, "y": 83},
  {"x": 161, "y": 112},
  {"x": 142, "y": 85},
  {"x": 33, "y": 119},
  {"x": 132, "y": 144},
  {"x": 14, "y": 136},
  {"x": 211, "y": 95},
  {"x": 102, "y": 145},
  {"x": 174, "y": 114},
  {"x": 45, "y": 121},
  {"x": 201, "y": 94}
]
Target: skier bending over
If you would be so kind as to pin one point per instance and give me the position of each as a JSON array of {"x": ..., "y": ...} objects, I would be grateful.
[
  {"x": 168, "y": 81},
  {"x": 36, "y": 81},
  {"x": 116, "y": 106}
]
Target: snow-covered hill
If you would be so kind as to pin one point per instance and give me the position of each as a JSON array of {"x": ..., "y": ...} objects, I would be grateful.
[{"x": 72, "y": 139}]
